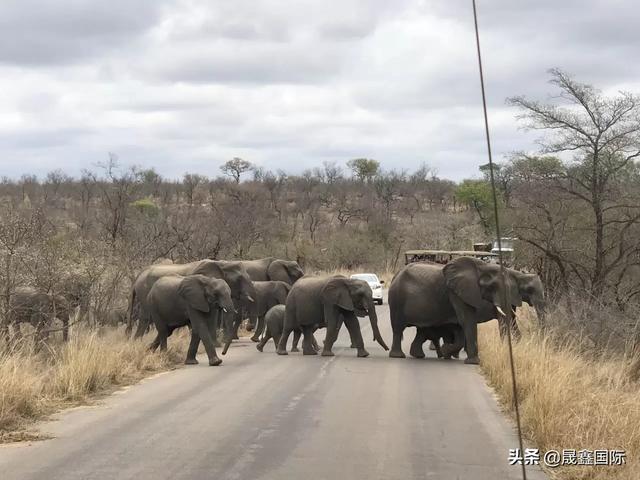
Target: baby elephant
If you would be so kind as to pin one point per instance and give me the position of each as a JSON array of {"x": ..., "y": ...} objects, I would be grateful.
[
  {"x": 451, "y": 334},
  {"x": 195, "y": 300},
  {"x": 274, "y": 318}
]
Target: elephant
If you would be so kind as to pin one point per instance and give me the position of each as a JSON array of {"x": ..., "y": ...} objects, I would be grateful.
[
  {"x": 319, "y": 302},
  {"x": 38, "y": 308},
  {"x": 451, "y": 333},
  {"x": 274, "y": 320},
  {"x": 268, "y": 294},
  {"x": 273, "y": 269},
  {"x": 531, "y": 292},
  {"x": 242, "y": 290},
  {"x": 196, "y": 300},
  {"x": 466, "y": 291}
]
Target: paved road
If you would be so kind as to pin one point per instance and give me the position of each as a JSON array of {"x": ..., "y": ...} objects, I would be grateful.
[{"x": 261, "y": 416}]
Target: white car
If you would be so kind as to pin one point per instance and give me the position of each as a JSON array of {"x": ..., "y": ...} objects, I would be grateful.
[{"x": 374, "y": 282}]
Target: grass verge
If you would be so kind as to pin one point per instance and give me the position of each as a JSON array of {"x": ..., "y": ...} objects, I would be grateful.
[
  {"x": 568, "y": 401},
  {"x": 34, "y": 385}
]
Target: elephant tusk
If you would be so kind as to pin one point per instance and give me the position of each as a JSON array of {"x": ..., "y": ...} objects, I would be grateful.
[
  {"x": 250, "y": 298},
  {"x": 500, "y": 311},
  {"x": 224, "y": 310}
]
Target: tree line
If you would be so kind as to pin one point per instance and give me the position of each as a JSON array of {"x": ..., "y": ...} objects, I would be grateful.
[{"x": 574, "y": 207}]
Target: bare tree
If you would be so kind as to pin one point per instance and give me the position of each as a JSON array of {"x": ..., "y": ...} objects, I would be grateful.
[
  {"x": 603, "y": 135},
  {"x": 236, "y": 167}
]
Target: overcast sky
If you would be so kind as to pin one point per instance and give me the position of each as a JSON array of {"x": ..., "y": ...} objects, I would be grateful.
[{"x": 184, "y": 85}]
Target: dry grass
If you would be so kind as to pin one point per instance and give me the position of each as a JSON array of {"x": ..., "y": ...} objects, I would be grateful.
[
  {"x": 33, "y": 385},
  {"x": 568, "y": 401}
]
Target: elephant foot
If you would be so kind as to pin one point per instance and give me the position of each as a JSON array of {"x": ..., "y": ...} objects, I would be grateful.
[
  {"x": 309, "y": 352},
  {"x": 362, "y": 353},
  {"x": 455, "y": 355},
  {"x": 191, "y": 361},
  {"x": 472, "y": 361},
  {"x": 295, "y": 349},
  {"x": 259, "y": 347},
  {"x": 282, "y": 352},
  {"x": 417, "y": 352},
  {"x": 327, "y": 353},
  {"x": 397, "y": 354},
  {"x": 352, "y": 346},
  {"x": 214, "y": 362},
  {"x": 255, "y": 339},
  {"x": 236, "y": 337}
]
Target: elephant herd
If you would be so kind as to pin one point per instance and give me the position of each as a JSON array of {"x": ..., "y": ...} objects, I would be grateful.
[{"x": 444, "y": 302}]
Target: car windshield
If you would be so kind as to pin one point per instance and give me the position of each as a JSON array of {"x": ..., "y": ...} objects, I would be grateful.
[{"x": 367, "y": 277}]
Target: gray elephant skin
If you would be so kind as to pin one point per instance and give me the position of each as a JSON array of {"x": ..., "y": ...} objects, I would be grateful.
[
  {"x": 29, "y": 305},
  {"x": 273, "y": 269},
  {"x": 466, "y": 291},
  {"x": 532, "y": 292},
  {"x": 327, "y": 302},
  {"x": 274, "y": 320},
  {"x": 196, "y": 300},
  {"x": 268, "y": 294},
  {"x": 233, "y": 273}
]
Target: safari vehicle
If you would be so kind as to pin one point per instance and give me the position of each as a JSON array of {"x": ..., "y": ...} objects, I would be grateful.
[{"x": 445, "y": 256}]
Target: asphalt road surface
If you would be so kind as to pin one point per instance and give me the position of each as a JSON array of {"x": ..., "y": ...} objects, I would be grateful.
[{"x": 262, "y": 416}]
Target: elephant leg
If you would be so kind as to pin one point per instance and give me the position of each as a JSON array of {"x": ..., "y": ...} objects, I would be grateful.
[
  {"x": 396, "y": 344},
  {"x": 265, "y": 338},
  {"x": 282, "y": 342},
  {"x": 200, "y": 327},
  {"x": 397, "y": 326},
  {"x": 353, "y": 326},
  {"x": 162, "y": 333},
  {"x": 433, "y": 345},
  {"x": 334, "y": 322},
  {"x": 259, "y": 328},
  {"x": 296, "y": 340},
  {"x": 193, "y": 349},
  {"x": 307, "y": 345},
  {"x": 143, "y": 325},
  {"x": 416, "y": 350},
  {"x": 314, "y": 342},
  {"x": 470, "y": 327}
]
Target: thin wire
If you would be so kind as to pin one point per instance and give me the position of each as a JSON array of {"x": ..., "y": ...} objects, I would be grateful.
[{"x": 508, "y": 309}]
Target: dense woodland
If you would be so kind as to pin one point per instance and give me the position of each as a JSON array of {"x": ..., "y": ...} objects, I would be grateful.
[{"x": 574, "y": 206}]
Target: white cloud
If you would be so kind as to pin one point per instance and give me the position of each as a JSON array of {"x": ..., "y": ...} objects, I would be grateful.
[{"x": 186, "y": 84}]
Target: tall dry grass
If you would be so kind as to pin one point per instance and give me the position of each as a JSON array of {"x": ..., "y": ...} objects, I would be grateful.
[
  {"x": 35, "y": 384},
  {"x": 568, "y": 401}
]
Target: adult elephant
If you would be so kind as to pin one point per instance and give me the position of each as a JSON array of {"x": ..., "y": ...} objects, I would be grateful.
[
  {"x": 196, "y": 300},
  {"x": 268, "y": 294},
  {"x": 319, "y": 302},
  {"x": 466, "y": 291},
  {"x": 531, "y": 291},
  {"x": 242, "y": 290},
  {"x": 30, "y": 305},
  {"x": 273, "y": 269}
]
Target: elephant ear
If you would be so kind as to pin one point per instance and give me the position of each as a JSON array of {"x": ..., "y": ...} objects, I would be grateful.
[
  {"x": 336, "y": 292},
  {"x": 191, "y": 289},
  {"x": 513, "y": 291},
  {"x": 461, "y": 277},
  {"x": 208, "y": 268}
]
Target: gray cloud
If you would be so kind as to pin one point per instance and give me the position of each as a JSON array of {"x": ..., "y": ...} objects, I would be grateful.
[{"x": 183, "y": 85}]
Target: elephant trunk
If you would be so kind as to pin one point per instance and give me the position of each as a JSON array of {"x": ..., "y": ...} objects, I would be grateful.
[{"x": 373, "y": 318}]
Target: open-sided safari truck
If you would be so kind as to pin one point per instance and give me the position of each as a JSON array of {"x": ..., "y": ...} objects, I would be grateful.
[{"x": 445, "y": 256}]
